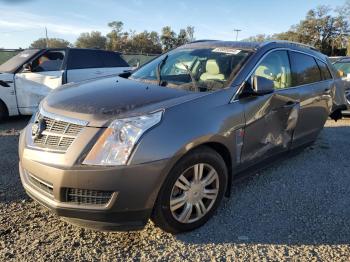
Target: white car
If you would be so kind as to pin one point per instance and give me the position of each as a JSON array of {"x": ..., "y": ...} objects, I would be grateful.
[
  {"x": 28, "y": 77},
  {"x": 342, "y": 65}
]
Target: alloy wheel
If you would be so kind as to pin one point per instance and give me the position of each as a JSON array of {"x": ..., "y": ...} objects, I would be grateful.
[{"x": 194, "y": 193}]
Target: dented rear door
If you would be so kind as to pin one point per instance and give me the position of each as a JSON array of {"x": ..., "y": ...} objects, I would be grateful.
[{"x": 315, "y": 98}]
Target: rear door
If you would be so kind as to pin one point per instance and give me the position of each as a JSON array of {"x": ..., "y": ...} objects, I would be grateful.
[
  {"x": 45, "y": 75},
  {"x": 84, "y": 64},
  {"x": 314, "y": 97},
  {"x": 271, "y": 118}
]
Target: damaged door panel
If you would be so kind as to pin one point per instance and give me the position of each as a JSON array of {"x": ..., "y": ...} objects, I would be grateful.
[
  {"x": 270, "y": 118},
  {"x": 270, "y": 124}
]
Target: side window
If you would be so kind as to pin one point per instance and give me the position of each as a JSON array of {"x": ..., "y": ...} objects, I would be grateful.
[
  {"x": 304, "y": 69},
  {"x": 111, "y": 59},
  {"x": 326, "y": 75},
  {"x": 49, "y": 61},
  {"x": 275, "y": 66},
  {"x": 80, "y": 59}
]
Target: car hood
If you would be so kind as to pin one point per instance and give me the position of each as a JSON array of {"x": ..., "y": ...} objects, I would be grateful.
[
  {"x": 102, "y": 100},
  {"x": 6, "y": 76}
]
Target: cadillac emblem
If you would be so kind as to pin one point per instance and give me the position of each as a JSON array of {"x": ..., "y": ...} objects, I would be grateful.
[{"x": 38, "y": 128}]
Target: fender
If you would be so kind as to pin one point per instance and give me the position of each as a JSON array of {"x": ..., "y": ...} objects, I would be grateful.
[{"x": 8, "y": 93}]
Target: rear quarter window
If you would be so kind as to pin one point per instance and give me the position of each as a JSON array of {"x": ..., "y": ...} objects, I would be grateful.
[
  {"x": 80, "y": 59},
  {"x": 304, "y": 69},
  {"x": 112, "y": 59}
]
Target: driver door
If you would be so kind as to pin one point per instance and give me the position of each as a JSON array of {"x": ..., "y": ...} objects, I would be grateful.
[
  {"x": 34, "y": 83},
  {"x": 270, "y": 118}
]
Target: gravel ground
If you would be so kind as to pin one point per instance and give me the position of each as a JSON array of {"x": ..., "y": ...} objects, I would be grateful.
[{"x": 297, "y": 209}]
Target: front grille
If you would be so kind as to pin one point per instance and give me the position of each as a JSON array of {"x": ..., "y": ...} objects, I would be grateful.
[
  {"x": 87, "y": 197},
  {"x": 44, "y": 186},
  {"x": 58, "y": 135}
]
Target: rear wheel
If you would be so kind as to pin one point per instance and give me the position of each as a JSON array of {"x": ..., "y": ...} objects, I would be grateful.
[{"x": 192, "y": 191}]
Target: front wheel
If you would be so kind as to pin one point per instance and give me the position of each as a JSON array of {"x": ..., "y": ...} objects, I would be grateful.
[
  {"x": 192, "y": 191},
  {"x": 3, "y": 111}
]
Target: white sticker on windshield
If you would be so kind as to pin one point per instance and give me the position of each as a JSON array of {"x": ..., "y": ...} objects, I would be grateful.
[{"x": 227, "y": 50}]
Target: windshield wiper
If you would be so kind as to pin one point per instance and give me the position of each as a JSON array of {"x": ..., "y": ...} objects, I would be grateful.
[
  {"x": 194, "y": 82},
  {"x": 159, "y": 68}
]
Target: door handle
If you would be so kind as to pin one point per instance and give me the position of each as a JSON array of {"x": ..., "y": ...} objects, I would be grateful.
[
  {"x": 54, "y": 77},
  {"x": 289, "y": 104}
]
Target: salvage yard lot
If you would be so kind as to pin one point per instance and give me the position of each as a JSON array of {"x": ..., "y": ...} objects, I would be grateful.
[{"x": 298, "y": 208}]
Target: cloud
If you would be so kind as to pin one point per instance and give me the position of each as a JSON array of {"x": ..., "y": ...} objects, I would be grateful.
[{"x": 13, "y": 21}]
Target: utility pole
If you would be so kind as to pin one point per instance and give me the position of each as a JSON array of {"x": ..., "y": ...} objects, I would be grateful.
[
  {"x": 237, "y": 31},
  {"x": 47, "y": 39}
]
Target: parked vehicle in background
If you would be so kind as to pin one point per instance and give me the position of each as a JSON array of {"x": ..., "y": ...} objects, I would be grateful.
[
  {"x": 165, "y": 141},
  {"x": 28, "y": 77},
  {"x": 342, "y": 65}
]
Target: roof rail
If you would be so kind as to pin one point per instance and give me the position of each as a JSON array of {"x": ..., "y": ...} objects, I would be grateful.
[
  {"x": 290, "y": 42},
  {"x": 202, "y": 40}
]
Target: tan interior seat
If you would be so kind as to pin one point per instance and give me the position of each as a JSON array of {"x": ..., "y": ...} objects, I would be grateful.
[{"x": 212, "y": 71}]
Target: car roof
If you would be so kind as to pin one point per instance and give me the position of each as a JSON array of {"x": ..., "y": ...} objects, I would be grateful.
[
  {"x": 71, "y": 48},
  {"x": 254, "y": 46}
]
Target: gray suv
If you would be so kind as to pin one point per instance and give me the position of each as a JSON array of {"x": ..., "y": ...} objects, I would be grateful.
[{"x": 164, "y": 142}]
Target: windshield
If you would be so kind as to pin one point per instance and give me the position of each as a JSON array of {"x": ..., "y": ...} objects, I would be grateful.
[
  {"x": 13, "y": 63},
  {"x": 204, "y": 69}
]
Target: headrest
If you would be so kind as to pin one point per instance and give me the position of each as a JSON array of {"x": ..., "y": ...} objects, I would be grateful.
[{"x": 212, "y": 67}]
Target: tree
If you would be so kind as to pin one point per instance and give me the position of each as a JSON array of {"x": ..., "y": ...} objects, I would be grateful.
[
  {"x": 146, "y": 42},
  {"x": 168, "y": 38},
  {"x": 182, "y": 38},
  {"x": 114, "y": 38},
  {"x": 259, "y": 38},
  {"x": 91, "y": 40},
  {"x": 190, "y": 33},
  {"x": 52, "y": 43},
  {"x": 319, "y": 29}
]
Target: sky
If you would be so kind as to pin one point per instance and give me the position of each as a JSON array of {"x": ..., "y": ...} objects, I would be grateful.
[{"x": 23, "y": 21}]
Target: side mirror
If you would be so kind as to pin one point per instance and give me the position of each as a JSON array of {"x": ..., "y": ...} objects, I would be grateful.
[
  {"x": 27, "y": 67},
  {"x": 262, "y": 86}
]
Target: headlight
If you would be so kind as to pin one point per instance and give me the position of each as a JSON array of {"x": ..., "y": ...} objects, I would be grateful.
[{"x": 117, "y": 142}]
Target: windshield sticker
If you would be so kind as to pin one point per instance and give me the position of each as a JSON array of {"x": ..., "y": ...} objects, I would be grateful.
[{"x": 227, "y": 50}]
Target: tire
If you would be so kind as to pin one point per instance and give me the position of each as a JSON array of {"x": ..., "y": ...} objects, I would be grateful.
[
  {"x": 174, "y": 219},
  {"x": 3, "y": 111}
]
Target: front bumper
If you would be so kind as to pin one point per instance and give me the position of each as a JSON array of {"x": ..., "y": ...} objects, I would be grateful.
[{"x": 134, "y": 189}]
